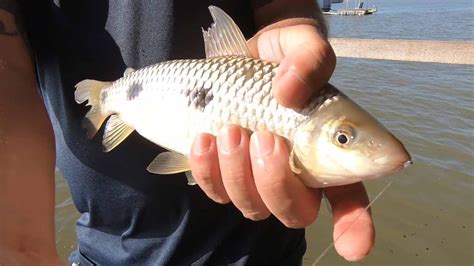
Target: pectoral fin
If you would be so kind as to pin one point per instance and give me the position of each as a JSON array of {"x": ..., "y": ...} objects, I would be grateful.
[{"x": 167, "y": 163}]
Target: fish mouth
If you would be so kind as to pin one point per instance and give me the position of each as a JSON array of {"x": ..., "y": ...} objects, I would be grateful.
[
  {"x": 404, "y": 165},
  {"x": 397, "y": 159},
  {"x": 407, "y": 163},
  {"x": 392, "y": 165}
]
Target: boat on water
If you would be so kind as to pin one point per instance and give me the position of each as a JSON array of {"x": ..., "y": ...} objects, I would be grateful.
[{"x": 358, "y": 10}]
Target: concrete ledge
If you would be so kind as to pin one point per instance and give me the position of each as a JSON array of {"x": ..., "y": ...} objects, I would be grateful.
[{"x": 447, "y": 52}]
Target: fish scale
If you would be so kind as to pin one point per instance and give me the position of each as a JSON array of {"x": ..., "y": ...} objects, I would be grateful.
[{"x": 222, "y": 90}]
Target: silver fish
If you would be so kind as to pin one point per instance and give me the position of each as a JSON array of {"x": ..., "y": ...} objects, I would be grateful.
[{"x": 333, "y": 140}]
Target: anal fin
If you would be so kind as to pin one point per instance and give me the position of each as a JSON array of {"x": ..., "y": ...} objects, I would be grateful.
[{"x": 115, "y": 132}]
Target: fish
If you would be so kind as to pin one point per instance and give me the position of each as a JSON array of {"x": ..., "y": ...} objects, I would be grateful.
[{"x": 333, "y": 141}]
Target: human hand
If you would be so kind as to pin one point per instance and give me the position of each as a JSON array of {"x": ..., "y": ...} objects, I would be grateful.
[{"x": 253, "y": 171}]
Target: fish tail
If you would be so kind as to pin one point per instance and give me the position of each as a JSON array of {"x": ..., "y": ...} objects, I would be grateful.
[{"x": 89, "y": 90}]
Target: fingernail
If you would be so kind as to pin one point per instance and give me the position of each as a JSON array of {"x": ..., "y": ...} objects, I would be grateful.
[
  {"x": 264, "y": 143},
  {"x": 230, "y": 138},
  {"x": 202, "y": 145}
]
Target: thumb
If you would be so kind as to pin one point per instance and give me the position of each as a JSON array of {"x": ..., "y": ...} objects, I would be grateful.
[{"x": 306, "y": 61}]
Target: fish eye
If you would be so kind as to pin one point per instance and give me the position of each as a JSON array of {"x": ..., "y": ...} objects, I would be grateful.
[
  {"x": 343, "y": 136},
  {"x": 342, "y": 139}
]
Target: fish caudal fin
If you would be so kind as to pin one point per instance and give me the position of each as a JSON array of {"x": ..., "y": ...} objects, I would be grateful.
[
  {"x": 89, "y": 90},
  {"x": 167, "y": 163}
]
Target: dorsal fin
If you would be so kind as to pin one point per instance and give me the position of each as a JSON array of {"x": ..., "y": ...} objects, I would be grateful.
[{"x": 224, "y": 36}]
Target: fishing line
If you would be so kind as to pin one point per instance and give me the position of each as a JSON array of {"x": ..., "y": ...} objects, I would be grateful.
[{"x": 352, "y": 223}]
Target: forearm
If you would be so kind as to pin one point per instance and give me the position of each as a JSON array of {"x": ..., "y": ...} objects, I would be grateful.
[
  {"x": 26, "y": 155},
  {"x": 283, "y": 13}
]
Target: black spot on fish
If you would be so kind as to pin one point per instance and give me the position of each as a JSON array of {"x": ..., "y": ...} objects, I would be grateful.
[
  {"x": 199, "y": 97},
  {"x": 133, "y": 91},
  {"x": 192, "y": 95},
  {"x": 186, "y": 92},
  {"x": 208, "y": 98}
]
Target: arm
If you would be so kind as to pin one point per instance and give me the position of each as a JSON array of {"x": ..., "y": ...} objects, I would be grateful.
[{"x": 27, "y": 156}]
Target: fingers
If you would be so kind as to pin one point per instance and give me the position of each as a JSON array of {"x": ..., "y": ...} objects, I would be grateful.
[
  {"x": 306, "y": 61},
  {"x": 295, "y": 205},
  {"x": 234, "y": 160},
  {"x": 258, "y": 180},
  {"x": 347, "y": 204},
  {"x": 205, "y": 168},
  {"x": 222, "y": 169}
]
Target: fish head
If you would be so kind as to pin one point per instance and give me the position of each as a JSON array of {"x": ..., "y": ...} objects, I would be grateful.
[{"x": 341, "y": 143}]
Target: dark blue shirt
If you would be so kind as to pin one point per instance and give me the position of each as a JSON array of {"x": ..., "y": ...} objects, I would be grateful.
[{"x": 129, "y": 216}]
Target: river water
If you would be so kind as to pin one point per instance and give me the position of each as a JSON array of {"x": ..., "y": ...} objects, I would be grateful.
[{"x": 427, "y": 216}]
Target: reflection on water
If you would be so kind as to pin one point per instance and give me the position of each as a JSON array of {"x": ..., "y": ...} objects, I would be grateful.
[{"x": 426, "y": 216}]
